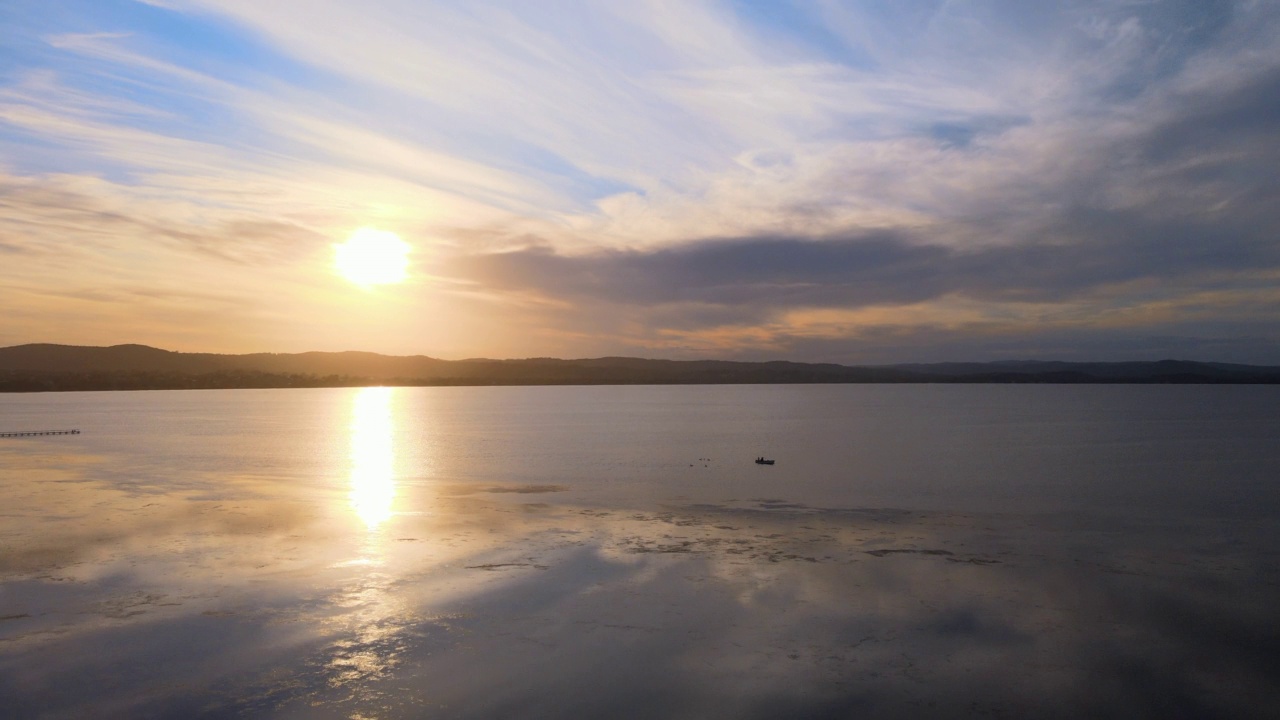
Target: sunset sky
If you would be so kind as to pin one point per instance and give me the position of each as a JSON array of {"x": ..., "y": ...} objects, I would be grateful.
[{"x": 857, "y": 182}]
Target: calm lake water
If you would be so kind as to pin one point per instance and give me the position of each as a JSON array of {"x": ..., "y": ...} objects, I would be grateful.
[
  {"x": 948, "y": 550},
  {"x": 1198, "y": 449}
]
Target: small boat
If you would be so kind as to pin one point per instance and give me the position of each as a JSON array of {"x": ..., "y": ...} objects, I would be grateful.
[{"x": 762, "y": 461}]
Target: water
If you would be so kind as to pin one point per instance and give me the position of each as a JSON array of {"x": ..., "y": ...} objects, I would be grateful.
[
  {"x": 1042, "y": 448},
  {"x": 476, "y": 552}
]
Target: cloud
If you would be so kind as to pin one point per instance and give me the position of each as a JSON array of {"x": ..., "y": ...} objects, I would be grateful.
[
  {"x": 1083, "y": 247},
  {"x": 689, "y": 168}
]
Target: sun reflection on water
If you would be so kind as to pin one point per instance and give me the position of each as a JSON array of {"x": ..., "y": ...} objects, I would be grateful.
[
  {"x": 370, "y": 621},
  {"x": 373, "y": 486}
]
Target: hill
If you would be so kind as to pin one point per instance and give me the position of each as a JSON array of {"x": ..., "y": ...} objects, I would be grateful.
[{"x": 46, "y": 367}]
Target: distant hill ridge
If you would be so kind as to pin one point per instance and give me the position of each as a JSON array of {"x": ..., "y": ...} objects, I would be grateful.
[{"x": 37, "y": 367}]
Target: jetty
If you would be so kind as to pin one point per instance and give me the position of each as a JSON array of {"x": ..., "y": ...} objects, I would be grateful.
[{"x": 33, "y": 433}]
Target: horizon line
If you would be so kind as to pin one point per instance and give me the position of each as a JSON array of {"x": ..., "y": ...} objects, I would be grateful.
[{"x": 648, "y": 359}]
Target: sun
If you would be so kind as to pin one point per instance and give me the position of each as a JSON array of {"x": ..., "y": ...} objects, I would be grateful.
[{"x": 372, "y": 257}]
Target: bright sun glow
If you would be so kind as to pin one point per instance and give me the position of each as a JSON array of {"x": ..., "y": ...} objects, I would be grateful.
[{"x": 372, "y": 257}]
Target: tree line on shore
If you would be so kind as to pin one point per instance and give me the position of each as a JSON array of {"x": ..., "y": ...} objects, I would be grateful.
[{"x": 52, "y": 368}]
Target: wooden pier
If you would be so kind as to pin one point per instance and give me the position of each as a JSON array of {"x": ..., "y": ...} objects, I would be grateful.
[{"x": 33, "y": 433}]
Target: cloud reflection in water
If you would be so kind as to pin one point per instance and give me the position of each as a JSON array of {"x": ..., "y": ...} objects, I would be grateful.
[{"x": 235, "y": 594}]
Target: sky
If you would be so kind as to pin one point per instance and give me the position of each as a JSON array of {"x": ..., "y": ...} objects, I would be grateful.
[{"x": 837, "y": 181}]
